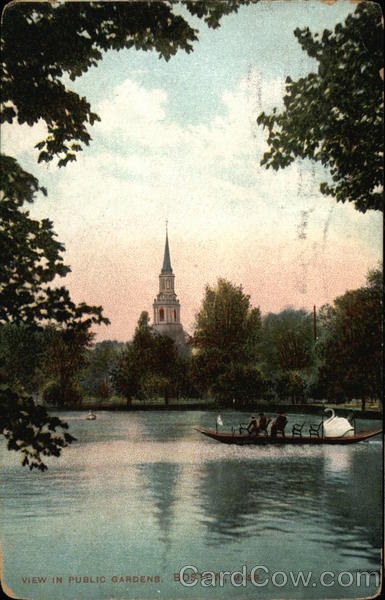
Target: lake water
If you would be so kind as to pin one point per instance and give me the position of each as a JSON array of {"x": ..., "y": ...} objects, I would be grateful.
[{"x": 143, "y": 494}]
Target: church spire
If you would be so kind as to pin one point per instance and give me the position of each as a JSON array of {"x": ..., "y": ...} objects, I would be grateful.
[
  {"x": 166, "y": 259},
  {"x": 166, "y": 304}
]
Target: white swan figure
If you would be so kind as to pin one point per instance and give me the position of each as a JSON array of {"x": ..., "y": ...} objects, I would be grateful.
[{"x": 337, "y": 426}]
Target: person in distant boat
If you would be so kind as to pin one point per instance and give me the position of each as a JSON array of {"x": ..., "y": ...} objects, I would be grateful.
[
  {"x": 252, "y": 427},
  {"x": 263, "y": 422},
  {"x": 278, "y": 425}
]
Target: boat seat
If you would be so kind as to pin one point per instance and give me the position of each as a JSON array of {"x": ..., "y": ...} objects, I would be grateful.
[
  {"x": 297, "y": 429},
  {"x": 315, "y": 429}
]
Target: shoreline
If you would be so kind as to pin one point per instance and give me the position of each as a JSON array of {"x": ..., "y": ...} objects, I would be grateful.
[{"x": 212, "y": 407}]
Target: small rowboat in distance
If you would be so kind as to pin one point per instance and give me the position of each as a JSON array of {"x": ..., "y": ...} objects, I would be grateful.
[
  {"x": 243, "y": 439},
  {"x": 91, "y": 416}
]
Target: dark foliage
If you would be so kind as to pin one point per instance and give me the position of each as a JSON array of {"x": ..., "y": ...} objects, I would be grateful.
[{"x": 335, "y": 116}]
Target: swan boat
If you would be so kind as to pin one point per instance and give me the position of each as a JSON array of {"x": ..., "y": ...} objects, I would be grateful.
[
  {"x": 243, "y": 439},
  {"x": 334, "y": 430},
  {"x": 337, "y": 426}
]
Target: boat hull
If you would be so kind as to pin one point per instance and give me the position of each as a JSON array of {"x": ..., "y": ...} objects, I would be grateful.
[{"x": 244, "y": 439}]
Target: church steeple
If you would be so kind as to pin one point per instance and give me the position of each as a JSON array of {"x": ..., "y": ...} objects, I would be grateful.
[
  {"x": 166, "y": 259},
  {"x": 166, "y": 304}
]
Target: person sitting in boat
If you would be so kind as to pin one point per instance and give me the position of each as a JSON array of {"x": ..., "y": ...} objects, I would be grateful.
[
  {"x": 278, "y": 425},
  {"x": 263, "y": 422},
  {"x": 253, "y": 427}
]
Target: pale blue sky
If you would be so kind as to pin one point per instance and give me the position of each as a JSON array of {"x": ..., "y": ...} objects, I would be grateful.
[
  {"x": 258, "y": 36},
  {"x": 179, "y": 140}
]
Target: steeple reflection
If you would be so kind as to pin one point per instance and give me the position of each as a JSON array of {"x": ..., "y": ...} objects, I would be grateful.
[{"x": 161, "y": 479}]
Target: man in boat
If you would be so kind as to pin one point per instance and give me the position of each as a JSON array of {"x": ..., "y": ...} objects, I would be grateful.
[
  {"x": 263, "y": 422},
  {"x": 278, "y": 425},
  {"x": 253, "y": 427}
]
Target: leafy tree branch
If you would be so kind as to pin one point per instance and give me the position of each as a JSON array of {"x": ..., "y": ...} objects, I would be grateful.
[{"x": 335, "y": 116}]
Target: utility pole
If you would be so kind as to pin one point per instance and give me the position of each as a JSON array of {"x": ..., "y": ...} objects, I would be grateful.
[{"x": 315, "y": 323}]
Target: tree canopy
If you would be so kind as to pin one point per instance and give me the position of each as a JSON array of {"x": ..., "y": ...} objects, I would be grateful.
[
  {"x": 350, "y": 347},
  {"x": 42, "y": 42},
  {"x": 29, "y": 429},
  {"x": 226, "y": 322},
  {"x": 31, "y": 260},
  {"x": 21, "y": 353},
  {"x": 150, "y": 365},
  {"x": 226, "y": 337},
  {"x": 102, "y": 359},
  {"x": 335, "y": 115},
  {"x": 287, "y": 340},
  {"x": 66, "y": 353}
]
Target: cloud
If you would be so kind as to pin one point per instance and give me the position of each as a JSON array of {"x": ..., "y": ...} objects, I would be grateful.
[
  {"x": 132, "y": 103},
  {"x": 19, "y": 140},
  {"x": 139, "y": 117},
  {"x": 138, "y": 138},
  {"x": 143, "y": 166},
  {"x": 228, "y": 216}
]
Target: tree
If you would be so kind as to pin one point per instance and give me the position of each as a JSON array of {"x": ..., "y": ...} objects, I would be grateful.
[
  {"x": 29, "y": 429},
  {"x": 335, "y": 116},
  {"x": 149, "y": 364},
  {"x": 350, "y": 346},
  {"x": 183, "y": 381},
  {"x": 65, "y": 355},
  {"x": 287, "y": 352},
  {"x": 31, "y": 259},
  {"x": 290, "y": 384},
  {"x": 226, "y": 333},
  {"x": 154, "y": 385},
  {"x": 126, "y": 375},
  {"x": 227, "y": 323},
  {"x": 21, "y": 351},
  {"x": 239, "y": 383},
  {"x": 101, "y": 361},
  {"x": 144, "y": 343},
  {"x": 166, "y": 363},
  {"x": 287, "y": 341}
]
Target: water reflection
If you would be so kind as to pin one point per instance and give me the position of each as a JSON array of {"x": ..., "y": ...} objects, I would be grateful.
[
  {"x": 159, "y": 493},
  {"x": 229, "y": 497},
  {"x": 248, "y": 498},
  {"x": 329, "y": 497},
  {"x": 161, "y": 480},
  {"x": 352, "y": 503}
]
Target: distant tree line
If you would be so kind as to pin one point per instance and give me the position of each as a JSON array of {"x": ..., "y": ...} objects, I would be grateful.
[
  {"x": 234, "y": 357},
  {"x": 239, "y": 356}
]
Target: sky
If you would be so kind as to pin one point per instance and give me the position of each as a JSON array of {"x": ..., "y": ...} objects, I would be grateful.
[{"x": 179, "y": 141}]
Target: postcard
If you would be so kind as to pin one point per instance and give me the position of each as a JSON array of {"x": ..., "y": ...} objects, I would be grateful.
[{"x": 191, "y": 300}]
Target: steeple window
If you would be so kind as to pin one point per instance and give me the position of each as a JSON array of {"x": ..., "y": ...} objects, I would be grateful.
[{"x": 161, "y": 315}]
